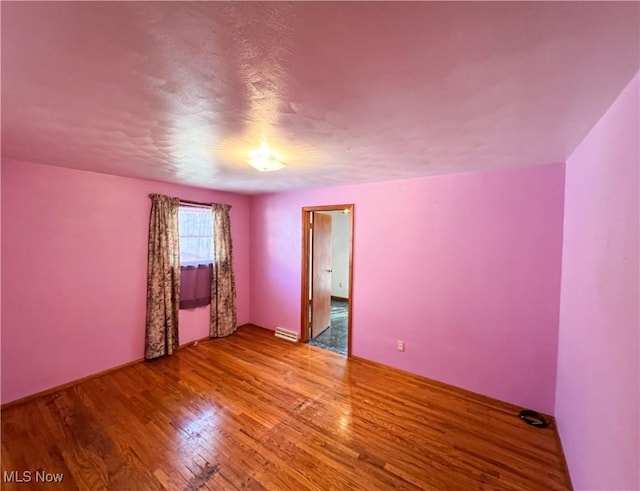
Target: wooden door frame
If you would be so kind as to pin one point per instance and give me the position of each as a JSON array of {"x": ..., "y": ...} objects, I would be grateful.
[{"x": 306, "y": 214}]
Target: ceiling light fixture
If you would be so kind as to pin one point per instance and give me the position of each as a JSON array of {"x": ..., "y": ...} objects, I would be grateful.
[{"x": 265, "y": 160}]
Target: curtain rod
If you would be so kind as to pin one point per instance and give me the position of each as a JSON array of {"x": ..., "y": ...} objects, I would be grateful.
[{"x": 193, "y": 203}]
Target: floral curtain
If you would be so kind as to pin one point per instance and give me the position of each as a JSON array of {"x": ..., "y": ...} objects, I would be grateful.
[
  {"x": 223, "y": 287},
  {"x": 163, "y": 277}
]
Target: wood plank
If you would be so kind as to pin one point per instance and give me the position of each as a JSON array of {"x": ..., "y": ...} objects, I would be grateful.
[{"x": 254, "y": 412}]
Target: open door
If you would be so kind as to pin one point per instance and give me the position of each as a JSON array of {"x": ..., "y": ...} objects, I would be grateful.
[
  {"x": 320, "y": 273},
  {"x": 327, "y": 315}
]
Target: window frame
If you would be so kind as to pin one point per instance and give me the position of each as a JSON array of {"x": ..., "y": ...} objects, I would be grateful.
[
  {"x": 196, "y": 262},
  {"x": 198, "y": 272}
]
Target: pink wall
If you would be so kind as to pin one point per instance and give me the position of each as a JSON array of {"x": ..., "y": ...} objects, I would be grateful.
[
  {"x": 74, "y": 255},
  {"x": 464, "y": 268},
  {"x": 598, "y": 381}
]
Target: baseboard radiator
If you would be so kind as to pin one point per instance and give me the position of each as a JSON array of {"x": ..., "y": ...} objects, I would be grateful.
[{"x": 286, "y": 334}]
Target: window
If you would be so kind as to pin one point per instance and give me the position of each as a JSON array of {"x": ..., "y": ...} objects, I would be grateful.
[{"x": 195, "y": 228}]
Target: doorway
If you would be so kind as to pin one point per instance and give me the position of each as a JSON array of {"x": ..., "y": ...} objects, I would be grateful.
[{"x": 327, "y": 277}]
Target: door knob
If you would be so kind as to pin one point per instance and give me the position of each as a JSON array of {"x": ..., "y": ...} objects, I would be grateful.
[{"x": 329, "y": 270}]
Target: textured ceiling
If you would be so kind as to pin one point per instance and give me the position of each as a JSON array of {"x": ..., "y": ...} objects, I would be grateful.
[{"x": 345, "y": 92}]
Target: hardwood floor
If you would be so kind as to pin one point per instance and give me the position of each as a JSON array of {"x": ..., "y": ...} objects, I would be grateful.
[{"x": 254, "y": 412}]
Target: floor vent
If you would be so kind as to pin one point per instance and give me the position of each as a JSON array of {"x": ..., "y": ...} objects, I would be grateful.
[{"x": 286, "y": 334}]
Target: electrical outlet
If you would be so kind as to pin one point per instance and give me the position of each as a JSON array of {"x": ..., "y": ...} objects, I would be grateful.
[
  {"x": 400, "y": 345},
  {"x": 339, "y": 285}
]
